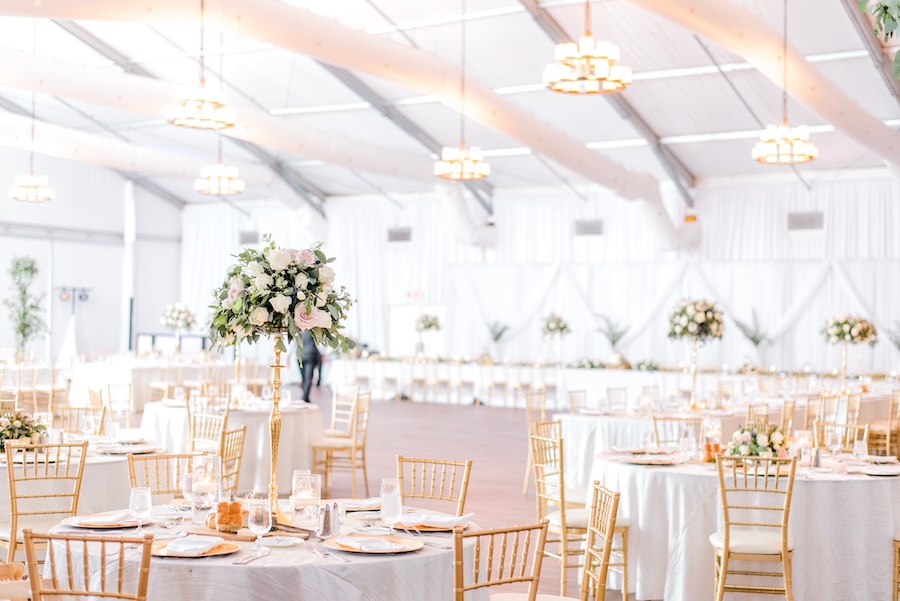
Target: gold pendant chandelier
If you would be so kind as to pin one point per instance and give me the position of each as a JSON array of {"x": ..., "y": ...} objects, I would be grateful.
[
  {"x": 201, "y": 107},
  {"x": 460, "y": 162},
  {"x": 588, "y": 67},
  {"x": 783, "y": 144},
  {"x": 219, "y": 179}
]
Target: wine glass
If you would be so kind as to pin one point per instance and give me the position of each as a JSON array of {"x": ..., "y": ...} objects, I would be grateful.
[
  {"x": 391, "y": 503},
  {"x": 834, "y": 442},
  {"x": 259, "y": 521},
  {"x": 178, "y": 393},
  {"x": 187, "y": 487},
  {"x": 87, "y": 425},
  {"x": 140, "y": 506},
  {"x": 266, "y": 393}
]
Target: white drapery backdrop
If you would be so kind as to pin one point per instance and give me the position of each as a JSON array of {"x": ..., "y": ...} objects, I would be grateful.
[{"x": 746, "y": 261}]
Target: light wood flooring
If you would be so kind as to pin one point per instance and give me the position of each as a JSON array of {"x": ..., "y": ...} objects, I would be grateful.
[{"x": 494, "y": 438}]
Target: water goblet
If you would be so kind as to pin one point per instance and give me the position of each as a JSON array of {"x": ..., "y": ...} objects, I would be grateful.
[
  {"x": 87, "y": 425},
  {"x": 391, "y": 503},
  {"x": 187, "y": 487},
  {"x": 259, "y": 521},
  {"x": 140, "y": 506},
  {"x": 266, "y": 393},
  {"x": 306, "y": 495},
  {"x": 860, "y": 450},
  {"x": 834, "y": 442}
]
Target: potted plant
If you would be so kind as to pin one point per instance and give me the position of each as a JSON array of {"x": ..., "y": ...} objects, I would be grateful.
[{"x": 24, "y": 307}]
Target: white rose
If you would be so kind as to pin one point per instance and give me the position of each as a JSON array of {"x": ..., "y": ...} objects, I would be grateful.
[
  {"x": 263, "y": 281},
  {"x": 301, "y": 281},
  {"x": 326, "y": 274},
  {"x": 692, "y": 328},
  {"x": 690, "y": 310},
  {"x": 700, "y": 318},
  {"x": 226, "y": 304},
  {"x": 777, "y": 438},
  {"x": 278, "y": 259},
  {"x": 258, "y": 316},
  {"x": 321, "y": 299},
  {"x": 744, "y": 449},
  {"x": 323, "y": 319},
  {"x": 254, "y": 269},
  {"x": 762, "y": 440},
  {"x": 17, "y": 424},
  {"x": 280, "y": 303},
  {"x": 228, "y": 338},
  {"x": 683, "y": 320}
]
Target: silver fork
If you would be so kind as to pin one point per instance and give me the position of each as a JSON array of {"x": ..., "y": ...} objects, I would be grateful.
[
  {"x": 245, "y": 560},
  {"x": 417, "y": 532},
  {"x": 320, "y": 550}
]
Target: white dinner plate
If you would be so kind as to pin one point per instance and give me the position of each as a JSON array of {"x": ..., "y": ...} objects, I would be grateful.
[{"x": 281, "y": 541}]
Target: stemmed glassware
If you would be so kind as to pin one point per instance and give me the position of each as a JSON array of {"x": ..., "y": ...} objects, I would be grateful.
[
  {"x": 391, "y": 502},
  {"x": 835, "y": 444},
  {"x": 87, "y": 425},
  {"x": 187, "y": 487},
  {"x": 259, "y": 521},
  {"x": 140, "y": 506}
]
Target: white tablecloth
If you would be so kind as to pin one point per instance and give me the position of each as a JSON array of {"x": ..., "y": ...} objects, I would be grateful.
[
  {"x": 296, "y": 573},
  {"x": 842, "y": 527},
  {"x": 300, "y": 424}
]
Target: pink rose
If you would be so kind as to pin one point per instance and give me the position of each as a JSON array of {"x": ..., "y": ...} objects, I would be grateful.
[
  {"x": 305, "y": 320},
  {"x": 304, "y": 258}
]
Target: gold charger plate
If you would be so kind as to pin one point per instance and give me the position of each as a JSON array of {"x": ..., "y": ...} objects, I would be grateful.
[
  {"x": 653, "y": 460},
  {"x": 73, "y": 521},
  {"x": 226, "y": 548},
  {"x": 424, "y": 528},
  {"x": 408, "y": 545}
]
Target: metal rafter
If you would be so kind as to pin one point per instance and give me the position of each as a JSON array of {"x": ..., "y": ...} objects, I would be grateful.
[
  {"x": 679, "y": 173},
  {"x": 313, "y": 196},
  {"x": 479, "y": 189},
  {"x": 873, "y": 46}
]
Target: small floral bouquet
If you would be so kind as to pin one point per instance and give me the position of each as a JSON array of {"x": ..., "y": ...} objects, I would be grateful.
[
  {"x": 849, "y": 328},
  {"x": 699, "y": 319},
  {"x": 177, "y": 317},
  {"x": 746, "y": 443},
  {"x": 647, "y": 365},
  {"x": 554, "y": 324},
  {"x": 20, "y": 426},
  {"x": 276, "y": 291},
  {"x": 428, "y": 322}
]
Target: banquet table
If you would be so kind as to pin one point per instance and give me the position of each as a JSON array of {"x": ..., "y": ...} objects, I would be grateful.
[
  {"x": 296, "y": 573},
  {"x": 842, "y": 525},
  {"x": 167, "y": 424}
]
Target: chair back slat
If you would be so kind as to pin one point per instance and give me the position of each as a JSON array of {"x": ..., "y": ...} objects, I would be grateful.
[{"x": 434, "y": 479}]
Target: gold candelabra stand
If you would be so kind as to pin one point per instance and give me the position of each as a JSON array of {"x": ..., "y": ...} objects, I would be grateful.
[{"x": 275, "y": 437}]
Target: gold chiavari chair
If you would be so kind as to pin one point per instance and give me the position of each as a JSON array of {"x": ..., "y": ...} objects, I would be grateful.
[
  {"x": 535, "y": 411},
  {"x": 49, "y": 387},
  {"x": 232, "y": 454},
  {"x": 345, "y": 453},
  {"x": 25, "y": 378},
  {"x": 162, "y": 473},
  {"x": 343, "y": 413},
  {"x": 117, "y": 400},
  {"x": 44, "y": 467},
  {"x": 599, "y": 549},
  {"x": 725, "y": 392},
  {"x": 823, "y": 434},
  {"x": 851, "y": 409},
  {"x": 13, "y": 585},
  {"x": 787, "y": 416},
  {"x": 895, "y": 589},
  {"x": 755, "y": 498},
  {"x": 884, "y": 436},
  {"x": 617, "y": 399},
  {"x": 503, "y": 556},
  {"x": 577, "y": 400},
  {"x": 568, "y": 521},
  {"x": 163, "y": 389},
  {"x": 118, "y": 577},
  {"x": 70, "y": 419},
  {"x": 95, "y": 397},
  {"x": 669, "y": 431},
  {"x": 9, "y": 402},
  {"x": 814, "y": 408},
  {"x": 757, "y": 419},
  {"x": 434, "y": 479},
  {"x": 207, "y": 431}
]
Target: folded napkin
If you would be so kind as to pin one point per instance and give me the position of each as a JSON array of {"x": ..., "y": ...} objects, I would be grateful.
[
  {"x": 193, "y": 544},
  {"x": 434, "y": 520},
  {"x": 351, "y": 504},
  {"x": 369, "y": 544},
  {"x": 104, "y": 519}
]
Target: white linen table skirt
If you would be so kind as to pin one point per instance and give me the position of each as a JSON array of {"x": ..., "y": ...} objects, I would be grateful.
[
  {"x": 300, "y": 425},
  {"x": 842, "y": 526}
]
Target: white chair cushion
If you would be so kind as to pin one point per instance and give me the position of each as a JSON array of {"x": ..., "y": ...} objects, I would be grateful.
[
  {"x": 751, "y": 541},
  {"x": 332, "y": 442},
  {"x": 578, "y": 518},
  {"x": 336, "y": 434},
  {"x": 881, "y": 427},
  {"x": 524, "y": 597},
  {"x": 39, "y": 524},
  {"x": 576, "y": 495}
]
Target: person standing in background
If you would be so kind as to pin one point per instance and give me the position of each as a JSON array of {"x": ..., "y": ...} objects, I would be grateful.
[{"x": 310, "y": 361}]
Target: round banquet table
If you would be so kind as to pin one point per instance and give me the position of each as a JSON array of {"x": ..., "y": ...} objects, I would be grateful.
[
  {"x": 842, "y": 526},
  {"x": 298, "y": 574},
  {"x": 300, "y": 424}
]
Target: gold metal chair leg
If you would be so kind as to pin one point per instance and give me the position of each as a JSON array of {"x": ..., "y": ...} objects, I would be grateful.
[
  {"x": 625, "y": 564},
  {"x": 896, "y": 578}
]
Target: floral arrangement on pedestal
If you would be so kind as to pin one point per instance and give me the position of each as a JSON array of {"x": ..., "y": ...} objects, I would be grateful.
[
  {"x": 746, "y": 443},
  {"x": 275, "y": 291},
  {"x": 428, "y": 322},
  {"x": 697, "y": 319},
  {"x": 850, "y": 329},
  {"x": 554, "y": 325},
  {"x": 177, "y": 317},
  {"x": 18, "y": 427}
]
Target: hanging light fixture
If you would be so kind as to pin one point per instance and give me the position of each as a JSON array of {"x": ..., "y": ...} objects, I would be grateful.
[
  {"x": 588, "y": 67},
  {"x": 461, "y": 162},
  {"x": 218, "y": 179},
  {"x": 783, "y": 144},
  {"x": 31, "y": 187},
  {"x": 201, "y": 107}
]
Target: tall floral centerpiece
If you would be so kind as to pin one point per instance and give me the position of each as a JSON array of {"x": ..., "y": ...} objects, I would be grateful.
[
  {"x": 271, "y": 293},
  {"x": 698, "y": 321},
  {"x": 849, "y": 329},
  {"x": 178, "y": 318},
  {"x": 426, "y": 323},
  {"x": 20, "y": 426},
  {"x": 555, "y": 327}
]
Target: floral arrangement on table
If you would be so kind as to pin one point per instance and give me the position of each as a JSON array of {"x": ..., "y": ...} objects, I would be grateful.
[
  {"x": 177, "y": 317},
  {"x": 554, "y": 324},
  {"x": 276, "y": 291},
  {"x": 18, "y": 427},
  {"x": 746, "y": 443},
  {"x": 849, "y": 328},
  {"x": 698, "y": 319},
  {"x": 588, "y": 364},
  {"x": 647, "y": 365},
  {"x": 427, "y": 322}
]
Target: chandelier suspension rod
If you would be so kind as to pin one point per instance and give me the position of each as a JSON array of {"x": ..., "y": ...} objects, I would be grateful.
[{"x": 462, "y": 79}]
